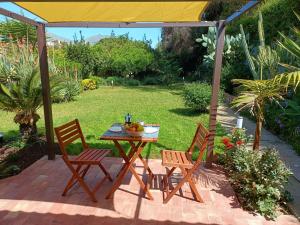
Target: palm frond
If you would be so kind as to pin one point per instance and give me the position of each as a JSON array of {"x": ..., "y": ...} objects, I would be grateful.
[{"x": 288, "y": 79}]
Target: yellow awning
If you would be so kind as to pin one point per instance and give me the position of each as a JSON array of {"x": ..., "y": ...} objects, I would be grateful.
[{"x": 117, "y": 11}]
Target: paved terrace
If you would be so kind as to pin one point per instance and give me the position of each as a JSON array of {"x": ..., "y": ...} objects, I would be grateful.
[{"x": 34, "y": 197}]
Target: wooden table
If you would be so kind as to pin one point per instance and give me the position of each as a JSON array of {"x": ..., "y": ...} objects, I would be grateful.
[{"x": 137, "y": 145}]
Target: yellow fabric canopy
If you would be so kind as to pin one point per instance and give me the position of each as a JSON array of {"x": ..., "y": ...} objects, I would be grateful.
[{"x": 117, "y": 11}]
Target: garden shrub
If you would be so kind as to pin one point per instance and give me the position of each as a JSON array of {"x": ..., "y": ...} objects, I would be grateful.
[
  {"x": 100, "y": 81},
  {"x": 152, "y": 80},
  {"x": 131, "y": 82},
  {"x": 198, "y": 96},
  {"x": 121, "y": 56},
  {"x": 67, "y": 91},
  {"x": 258, "y": 176},
  {"x": 120, "y": 81},
  {"x": 89, "y": 84}
]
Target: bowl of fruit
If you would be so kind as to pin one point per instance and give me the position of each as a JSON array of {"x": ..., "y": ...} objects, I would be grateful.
[{"x": 134, "y": 129}]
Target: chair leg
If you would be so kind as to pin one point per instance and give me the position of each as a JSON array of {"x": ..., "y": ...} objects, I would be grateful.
[
  {"x": 105, "y": 172},
  {"x": 195, "y": 191},
  {"x": 80, "y": 180},
  {"x": 173, "y": 192},
  {"x": 71, "y": 182},
  {"x": 168, "y": 175}
]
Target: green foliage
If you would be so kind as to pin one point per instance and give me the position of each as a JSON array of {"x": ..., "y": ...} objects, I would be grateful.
[
  {"x": 284, "y": 120},
  {"x": 10, "y": 170},
  {"x": 277, "y": 13},
  {"x": 232, "y": 71},
  {"x": 269, "y": 86},
  {"x": 258, "y": 176},
  {"x": 165, "y": 69},
  {"x": 13, "y": 30},
  {"x": 80, "y": 52},
  {"x": 100, "y": 81},
  {"x": 121, "y": 56},
  {"x": 198, "y": 96},
  {"x": 121, "y": 81},
  {"x": 21, "y": 91},
  {"x": 290, "y": 45},
  {"x": 263, "y": 65},
  {"x": 89, "y": 84},
  {"x": 178, "y": 43},
  {"x": 65, "y": 91},
  {"x": 131, "y": 82},
  {"x": 152, "y": 80},
  {"x": 232, "y": 47}
]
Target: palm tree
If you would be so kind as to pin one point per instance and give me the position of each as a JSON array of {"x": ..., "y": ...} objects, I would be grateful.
[
  {"x": 23, "y": 97},
  {"x": 267, "y": 85},
  {"x": 255, "y": 94},
  {"x": 20, "y": 88}
]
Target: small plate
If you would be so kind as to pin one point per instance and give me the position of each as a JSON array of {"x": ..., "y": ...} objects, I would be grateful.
[
  {"x": 150, "y": 130},
  {"x": 115, "y": 129}
]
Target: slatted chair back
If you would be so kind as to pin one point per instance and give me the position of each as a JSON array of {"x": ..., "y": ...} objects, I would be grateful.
[
  {"x": 68, "y": 133},
  {"x": 200, "y": 141}
]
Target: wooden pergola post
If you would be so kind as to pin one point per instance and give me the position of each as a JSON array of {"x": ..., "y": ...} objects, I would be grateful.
[
  {"x": 44, "y": 70},
  {"x": 215, "y": 91}
]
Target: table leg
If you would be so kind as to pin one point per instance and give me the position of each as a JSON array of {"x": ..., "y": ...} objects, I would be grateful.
[
  {"x": 131, "y": 153},
  {"x": 143, "y": 161},
  {"x": 135, "y": 152}
]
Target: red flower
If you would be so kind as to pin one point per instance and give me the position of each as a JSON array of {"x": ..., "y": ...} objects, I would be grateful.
[
  {"x": 239, "y": 142},
  {"x": 225, "y": 140},
  {"x": 229, "y": 146}
]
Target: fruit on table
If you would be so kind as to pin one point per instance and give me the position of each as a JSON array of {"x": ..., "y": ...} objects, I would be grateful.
[{"x": 134, "y": 127}]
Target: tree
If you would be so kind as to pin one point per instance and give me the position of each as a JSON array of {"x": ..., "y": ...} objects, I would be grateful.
[
  {"x": 13, "y": 30},
  {"x": 80, "y": 53},
  {"x": 22, "y": 93},
  {"x": 122, "y": 57},
  {"x": 267, "y": 86}
]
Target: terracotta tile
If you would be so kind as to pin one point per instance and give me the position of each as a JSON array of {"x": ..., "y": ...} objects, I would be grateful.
[{"x": 34, "y": 197}]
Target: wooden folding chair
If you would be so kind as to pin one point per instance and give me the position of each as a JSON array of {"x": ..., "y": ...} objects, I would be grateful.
[
  {"x": 80, "y": 165},
  {"x": 183, "y": 161}
]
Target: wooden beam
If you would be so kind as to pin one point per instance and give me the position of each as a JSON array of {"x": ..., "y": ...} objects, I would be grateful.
[
  {"x": 215, "y": 92},
  {"x": 44, "y": 70},
  {"x": 240, "y": 12},
  {"x": 18, "y": 17},
  {"x": 131, "y": 25}
]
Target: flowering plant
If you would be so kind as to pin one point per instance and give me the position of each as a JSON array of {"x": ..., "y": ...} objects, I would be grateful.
[{"x": 237, "y": 138}]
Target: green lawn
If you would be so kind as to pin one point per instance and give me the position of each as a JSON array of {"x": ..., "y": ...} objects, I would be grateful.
[{"x": 98, "y": 109}]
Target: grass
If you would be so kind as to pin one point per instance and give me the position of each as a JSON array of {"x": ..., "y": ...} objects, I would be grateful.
[{"x": 98, "y": 109}]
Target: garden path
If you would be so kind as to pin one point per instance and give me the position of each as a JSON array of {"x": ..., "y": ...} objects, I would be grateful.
[{"x": 227, "y": 118}]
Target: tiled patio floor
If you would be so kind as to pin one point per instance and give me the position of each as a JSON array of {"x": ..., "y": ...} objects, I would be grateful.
[{"x": 34, "y": 197}]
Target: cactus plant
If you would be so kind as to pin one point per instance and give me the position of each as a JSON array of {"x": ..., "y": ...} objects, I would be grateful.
[{"x": 263, "y": 65}]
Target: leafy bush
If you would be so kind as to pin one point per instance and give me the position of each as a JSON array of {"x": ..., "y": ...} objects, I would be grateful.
[
  {"x": 131, "y": 82},
  {"x": 100, "y": 81},
  {"x": 81, "y": 53},
  {"x": 284, "y": 120},
  {"x": 258, "y": 176},
  {"x": 198, "y": 96},
  {"x": 120, "y": 81},
  {"x": 122, "y": 56},
  {"x": 152, "y": 80},
  {"x": 89, "y": 84},
  {"x": 66, "y": 91}
]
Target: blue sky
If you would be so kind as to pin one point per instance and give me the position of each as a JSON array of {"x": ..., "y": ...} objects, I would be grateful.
[{"x": 134, "y": 33}]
